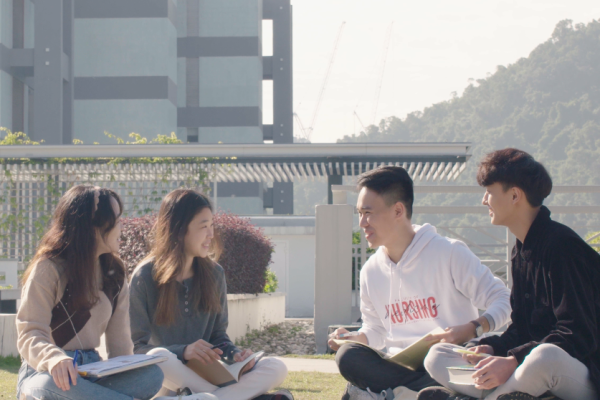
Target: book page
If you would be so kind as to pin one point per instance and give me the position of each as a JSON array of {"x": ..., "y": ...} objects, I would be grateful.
[
  {"x": 236, "y": 369},
  {"x": 119, "y": 364},
  {"x": 219, "y": 373},
  {"x": 412, "y": 357}
]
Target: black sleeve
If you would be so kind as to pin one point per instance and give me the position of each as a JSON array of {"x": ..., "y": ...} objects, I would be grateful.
[{"x": 572, "y": 281}]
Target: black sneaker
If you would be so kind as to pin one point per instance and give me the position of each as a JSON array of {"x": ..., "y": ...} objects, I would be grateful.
[
  {"x": 441, "y": 393},
  {"x": 278, "y": 395},
  {"x": 525, "y": 396}
]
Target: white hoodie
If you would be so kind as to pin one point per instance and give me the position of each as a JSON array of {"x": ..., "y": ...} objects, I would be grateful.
[{"x": 438, "y": 282}]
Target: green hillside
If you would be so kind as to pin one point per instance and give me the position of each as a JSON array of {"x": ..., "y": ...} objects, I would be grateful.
[{"x": 547, "y": 104}]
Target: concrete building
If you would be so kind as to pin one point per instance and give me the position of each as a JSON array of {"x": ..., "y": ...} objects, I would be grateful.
[{"x": 75, "y": 69}]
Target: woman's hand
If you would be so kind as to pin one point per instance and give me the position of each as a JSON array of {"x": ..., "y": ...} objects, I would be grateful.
[
  {"x": 239, "y": 357},
  {"x": 61, "y": 373},
  {"x": 202, "y": 352}
]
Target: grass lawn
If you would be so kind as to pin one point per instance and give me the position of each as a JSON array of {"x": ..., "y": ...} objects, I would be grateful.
[
  {"x": 314, "y": 385},
  {"x": 9, "y": 367},
  {"x": 304, "y": 385},
  {"x": 312, "y": 356}
]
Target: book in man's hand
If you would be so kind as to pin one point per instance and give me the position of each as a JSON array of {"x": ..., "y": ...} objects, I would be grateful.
[
  {"x": 411, "y": 357},
  {"x": 119, "y": 364},
  {"x": 461, "y": 375},
  {"x": 219, "y": 373}
]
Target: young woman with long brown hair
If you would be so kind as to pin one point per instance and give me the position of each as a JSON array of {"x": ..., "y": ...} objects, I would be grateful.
[
  {"x": 75, "y": 290},
  {"x": 179, "y": 304}
]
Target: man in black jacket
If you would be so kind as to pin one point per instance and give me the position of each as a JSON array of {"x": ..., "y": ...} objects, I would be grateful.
[{"x": 552, "y": 346}]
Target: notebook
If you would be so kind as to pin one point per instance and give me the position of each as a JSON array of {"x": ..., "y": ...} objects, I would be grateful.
[
  {"x": 219, "y": 373},
  {"x": 411, "y": 357},
  {"x": 115, "y": 365}
]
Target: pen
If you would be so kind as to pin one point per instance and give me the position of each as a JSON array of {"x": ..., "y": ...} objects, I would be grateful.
[{"x": 224, "y": 344}]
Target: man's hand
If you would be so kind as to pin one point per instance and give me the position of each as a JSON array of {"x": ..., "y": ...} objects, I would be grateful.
[
  {"x": 336, "y": 335},
  {"x": 239, "y": 357},
  {"x": 473, "y": 359},
  {"x": 61, "y": 373},
  {"x": 494, "y": 371},
  {"x": 458, "y": 334},
  {"x": 202, "y": 352}
]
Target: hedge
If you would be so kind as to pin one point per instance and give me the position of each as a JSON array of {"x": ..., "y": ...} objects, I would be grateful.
[{"x": 246, "y": 250}]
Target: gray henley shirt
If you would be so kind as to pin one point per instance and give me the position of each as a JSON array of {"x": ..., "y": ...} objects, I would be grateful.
[{"x": 190, "y": 324}]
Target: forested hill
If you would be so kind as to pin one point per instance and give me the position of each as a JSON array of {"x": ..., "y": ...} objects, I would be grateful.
[{"x": 547, "y": 104}]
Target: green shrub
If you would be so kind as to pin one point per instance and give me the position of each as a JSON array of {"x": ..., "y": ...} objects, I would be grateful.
[{"x": 271, "y": 281}]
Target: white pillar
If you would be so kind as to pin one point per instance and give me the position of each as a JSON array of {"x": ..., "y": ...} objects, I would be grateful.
[{"x": 333, "y": 269}]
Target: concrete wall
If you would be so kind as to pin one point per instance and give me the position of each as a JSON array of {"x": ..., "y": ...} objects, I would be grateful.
[
  {"x": 248, "y": 312},
  {"x": 125, "y": 72},
  {"x": 8, "y": 330},
  {"x": 293, "y": 261},
  {"x": 8, "y": 268},
  {"x": 294, "y": 265}
]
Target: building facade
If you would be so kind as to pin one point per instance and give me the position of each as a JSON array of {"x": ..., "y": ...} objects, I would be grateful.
[{"x": 75, "y": 69}]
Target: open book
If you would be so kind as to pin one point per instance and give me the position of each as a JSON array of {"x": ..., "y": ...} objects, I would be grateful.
[
  {"x": 220, "y": 374},
  {"x": 115, "y": 365},
  {"x": 411, "y": 357},
  {"x": 461, "y": 375}
]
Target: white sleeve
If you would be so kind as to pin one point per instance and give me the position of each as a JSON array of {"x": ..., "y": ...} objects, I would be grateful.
[
  {"x": 372, "y": 326},
  {"x": 477, "y": 282}
]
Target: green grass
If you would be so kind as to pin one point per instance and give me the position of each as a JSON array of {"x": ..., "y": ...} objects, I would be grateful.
[
  {"x": 9, "y": 368},
  {"x": 314, "y": 385},
  {"x": 304, "y": 385},
  {"x": 312, "y": 356}
]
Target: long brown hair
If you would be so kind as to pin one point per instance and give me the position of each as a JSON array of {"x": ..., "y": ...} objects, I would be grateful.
[
  {"x": 177, "y": 210},
  {"x": 71, "y": 242}
]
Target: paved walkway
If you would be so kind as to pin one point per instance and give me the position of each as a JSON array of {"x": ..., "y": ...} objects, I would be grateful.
[{"x": 308, "y": 364}]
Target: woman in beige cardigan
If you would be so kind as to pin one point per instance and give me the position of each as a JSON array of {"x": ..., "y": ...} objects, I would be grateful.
[{"x": 74, "y": 290}]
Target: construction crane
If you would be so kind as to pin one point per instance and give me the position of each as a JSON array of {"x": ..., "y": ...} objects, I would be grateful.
[
  {"x": 359, "y": 120},
  {"x": 307, "y": 132},
  {"x": 379, "y": 81},
  {"x": 384, "y": 55}
]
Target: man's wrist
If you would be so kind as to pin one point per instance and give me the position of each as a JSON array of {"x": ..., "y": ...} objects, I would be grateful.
[
  {"x": 514, "y": 360},
  {"x": 477, "y": 328}
]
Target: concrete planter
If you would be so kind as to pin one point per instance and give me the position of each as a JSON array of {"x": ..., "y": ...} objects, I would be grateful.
[
  {"x": 254, "y": 311},
  {"x": 8, "y": 330}
]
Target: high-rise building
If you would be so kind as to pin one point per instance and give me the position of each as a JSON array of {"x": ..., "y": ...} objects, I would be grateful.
[{"x": 75, "y": 69}]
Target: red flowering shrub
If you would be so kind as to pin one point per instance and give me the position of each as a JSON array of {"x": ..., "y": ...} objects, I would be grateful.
[
  {"x": 246, "y": 250},
  {"x": 246, "y": 253},
  {"x": 134, "y": 239}
]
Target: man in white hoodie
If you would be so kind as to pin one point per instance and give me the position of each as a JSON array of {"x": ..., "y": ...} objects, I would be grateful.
[{"x": 415, "y": 282}]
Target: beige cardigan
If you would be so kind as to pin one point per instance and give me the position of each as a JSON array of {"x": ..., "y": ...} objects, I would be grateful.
[{"x": 41, "y": 293}]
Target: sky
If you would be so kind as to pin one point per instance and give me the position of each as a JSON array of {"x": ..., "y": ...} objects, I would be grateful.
[{"x": 435, "y": 47}]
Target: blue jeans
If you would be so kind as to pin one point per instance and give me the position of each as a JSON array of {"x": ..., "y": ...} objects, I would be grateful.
[{"x": 141, "y": 383}]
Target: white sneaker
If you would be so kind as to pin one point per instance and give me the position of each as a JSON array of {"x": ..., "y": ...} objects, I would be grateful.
[{"x": 356, "y": 393}]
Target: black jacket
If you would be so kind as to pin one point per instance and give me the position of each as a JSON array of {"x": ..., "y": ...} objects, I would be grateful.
[{"x": 555, "y": 297}]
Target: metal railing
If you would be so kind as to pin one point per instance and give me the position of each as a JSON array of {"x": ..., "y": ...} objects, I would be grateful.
[{"x": 29, "y": 193}]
